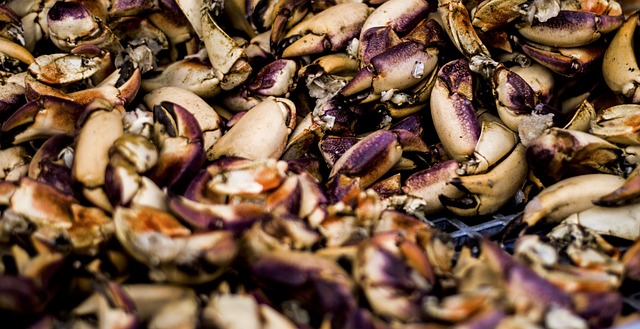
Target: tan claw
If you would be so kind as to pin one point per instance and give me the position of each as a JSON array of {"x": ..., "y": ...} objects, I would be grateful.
[
  {"x": 228, "y": 59},
  {"x": 329, "y": 30},
  {"x": 619, "y": 65},
  {"x": 16, "y": 51},
  {"x": 569, "y": 196},
  {"x": 618, "y": 124},
  {"x": 493, "y": 14},
  {"x": 100, "y": 127},
  {"x": 119, "y": 88},
  {"x": 268, "y": 124},
  {"x": 487, "y": 193},
  {"x": 457, "y": 22},
  {"x": 63, "y": 68},
  {"x": 192, "y": 74}
]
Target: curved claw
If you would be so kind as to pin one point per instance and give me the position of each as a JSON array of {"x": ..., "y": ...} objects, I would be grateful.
[
  {"x": 259, "y": 134},
  {"x": 288, "y": 13},
  {"x": 191, "y": 74},
  {"x": 274, "y": 79},
  {"x": 119, "y": 88},
  {"x": 44, "y": 117},
  {"x": 453, "y": 114},
  {"x": 488, "y": 192},
  {"x": 98, "y": 129},
  {"x": 571, "y": 28},
  {"x": 619, "y": 65},
  {"x": 457, "y": 23},
  {"x": 228, "y": 59},
  {"x": 515, "y": 99},
  {"x": 179, "y": 138},
  {"x": 374, "y": 155},
  {"x": 628, "y": 193},
  {"x": 397, "y": 68},
  {"x": 618, "y": 124},
  {"x": 493, "y": 14},
  {"x": 330, "y": 29},
  {"x": 235, "y": 218},
  {"x": 14, "y": 50},
  {"x": 568, "y": 61},
  {"x": 208, "y": 119},
  {"x": 428, "y": 184},
  {"x": 559, "y": 153}
]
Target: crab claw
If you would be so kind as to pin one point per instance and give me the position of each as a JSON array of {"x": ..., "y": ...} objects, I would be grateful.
[
  {"x": 288, "y": 13},
  {"x": 618, "y": 124},
  {"x": 487, "y": 193},
  {"x": 130, "y": 156},
  {"x": 457, "y": 22},
  {"x": 559, "y": 153},
  {"x": 492, "y": 14},
  {"x": 628, "y": 193},
  {"x": 44, "y": 117},
  {"x": 329, "y": 30},
  {"x": 429, "y": 184},
  {"x": 158, "y": 240},
  {"x": 373, "y": 156},
  {"x": 274, "y": 79},
  {"x": 51, "y": 164},
  {"x": 63, "y": 68},
  {"x": 385, "y": 22},
  {"x": 228, "y": 59},
  {"x": 189, "y": 73},
  {"x": 619, "y": 65},
  {"x": 567, "y": 61},
  {"x": 515, "y": 97},
  {"x": 454, "y": 117},
  {"x": 119, "y": 88},
  {"x": 571, "y": 28},
  {"x": 179, "y": 139},
  {"x": 208, "y": 119},
  {"x": 397, "y": 68},
  {"x": 235, "y": 218},
  {"x": 71, "y": 24},
  {"x": 14, "y": 50},
  {"x": 100, "y": 125},
  {"x": 568, "y": 196},
  {"x": 261, "y": 133}
]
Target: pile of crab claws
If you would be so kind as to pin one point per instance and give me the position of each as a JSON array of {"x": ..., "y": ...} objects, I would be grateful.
[{"x": 283, "y": 164}]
